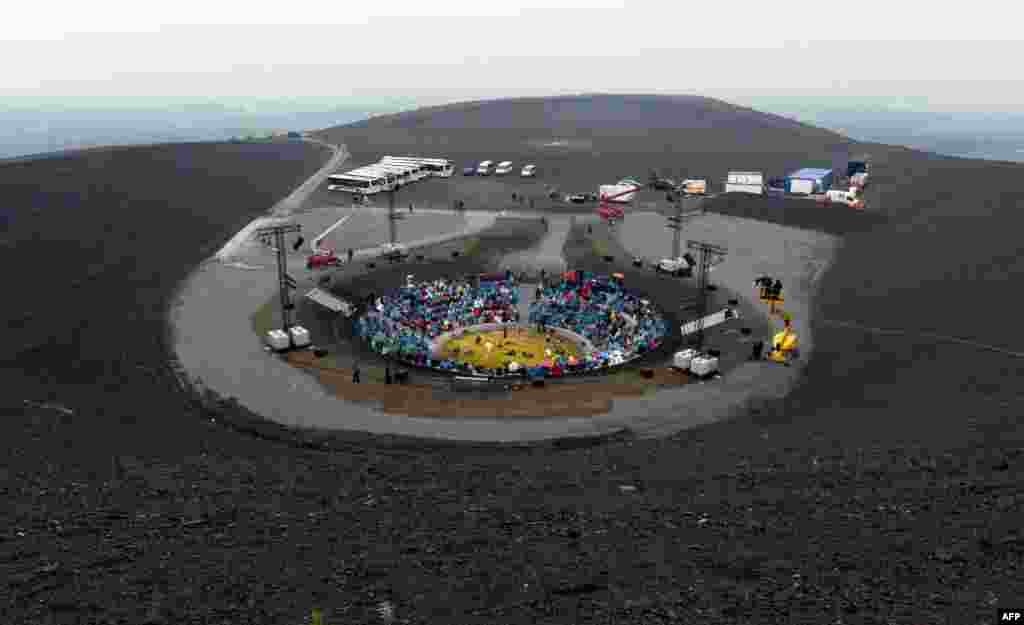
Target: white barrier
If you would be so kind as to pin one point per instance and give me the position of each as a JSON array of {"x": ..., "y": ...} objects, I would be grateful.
[{"x": 710, "y": 321}]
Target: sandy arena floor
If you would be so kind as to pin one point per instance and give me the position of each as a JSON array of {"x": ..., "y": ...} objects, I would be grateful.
[{"x": 528, "y": 346}]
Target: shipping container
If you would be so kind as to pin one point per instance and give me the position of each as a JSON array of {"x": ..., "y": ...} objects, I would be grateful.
[
  {"x": 731, "y": 187},
  {"x": 746, "y": 177}
]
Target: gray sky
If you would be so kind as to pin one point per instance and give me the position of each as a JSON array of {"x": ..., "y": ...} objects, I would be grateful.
[{"x": 951, "y": 59}]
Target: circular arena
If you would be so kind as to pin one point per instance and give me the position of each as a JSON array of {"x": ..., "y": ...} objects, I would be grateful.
[{"x": 579, "y": 322}]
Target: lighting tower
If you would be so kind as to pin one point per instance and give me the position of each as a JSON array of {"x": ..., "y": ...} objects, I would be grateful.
[
  {"x": 285, "y": 282},
  {"x": 393, "y": 217},
  {"x": 675, "y": 222},
  {"x": 706, "y": 250}
]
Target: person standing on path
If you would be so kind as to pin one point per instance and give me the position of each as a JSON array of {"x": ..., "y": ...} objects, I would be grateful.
[
  {"x": 387, "y": 374},
  {"x": 351, "y": 253},
  {"x": 757, "y": 350},
  {"x": 355, "y": 373}
]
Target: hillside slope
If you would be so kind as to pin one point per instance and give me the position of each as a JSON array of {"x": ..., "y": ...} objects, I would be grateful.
[{"x": 603, "y": 137}]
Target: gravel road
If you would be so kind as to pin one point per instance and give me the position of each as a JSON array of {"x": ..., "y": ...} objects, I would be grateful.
[{"x": 219, "y": 300}]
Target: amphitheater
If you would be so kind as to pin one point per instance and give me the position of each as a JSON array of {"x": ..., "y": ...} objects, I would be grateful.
[{"x": 581, "y": 322}]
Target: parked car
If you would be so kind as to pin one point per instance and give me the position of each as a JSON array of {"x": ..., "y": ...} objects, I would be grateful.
[
  {"x": 469, "y": 171},
  {"x": 322, "y": 259},
  {"x": 529, "y": 171},
  {"x": 680, "y": 266},
  {"x": 664, "y": 184},
  {"x": 576, "y": 198},
  {"x": 504, "y": 167}
]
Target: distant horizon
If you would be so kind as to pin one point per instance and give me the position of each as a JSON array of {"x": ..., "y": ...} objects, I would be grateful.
[
  {"x": 392, "y": 103},
  {"x": 39, "y": 125}
]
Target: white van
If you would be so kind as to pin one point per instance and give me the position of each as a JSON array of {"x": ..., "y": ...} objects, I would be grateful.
[
  {"x": 529, "y": 171},
  {"x": 484, "y": 168},
  {"x": 504, "y": 167}
]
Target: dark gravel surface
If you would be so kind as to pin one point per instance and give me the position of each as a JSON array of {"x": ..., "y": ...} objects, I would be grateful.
[{"x": 886, "y": 489}]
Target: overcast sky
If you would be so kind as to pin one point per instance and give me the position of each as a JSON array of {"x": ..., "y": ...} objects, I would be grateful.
[{"x": 957, "y": 57}]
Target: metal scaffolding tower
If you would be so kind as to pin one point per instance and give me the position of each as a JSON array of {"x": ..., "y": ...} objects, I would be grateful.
[
  {"x": 707, "y": 251},
  {"x": 675, "y": 222},
  {"x": 286, "y": 282}
]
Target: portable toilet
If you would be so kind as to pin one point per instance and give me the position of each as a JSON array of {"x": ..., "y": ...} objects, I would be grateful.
[
  {"x": 702, "y": 366},
  {"x": 300, "y": 336},
  {"x": 682, "y": 359},
  {"x": 278, "y": 340}
]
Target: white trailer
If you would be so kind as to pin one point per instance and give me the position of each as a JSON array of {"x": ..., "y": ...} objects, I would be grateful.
[
  {"x": 732, "y": 187},
  {"x": 419, "y": 170},
  {"x": 439, "y": 167},
  {"x": 356, "y": 183},
  {"x": 746, "y": 177}
]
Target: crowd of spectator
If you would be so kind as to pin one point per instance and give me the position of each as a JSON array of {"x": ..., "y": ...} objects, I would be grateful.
[
  {"x": 619, "y": 324},
  {"x": 405, "y": 323}
]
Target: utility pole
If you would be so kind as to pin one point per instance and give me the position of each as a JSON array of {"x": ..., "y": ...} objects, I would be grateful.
[
  {"x": 706, "y": 250},
  {"x": 285, "y": 282},
  {"x": 393, "y": 218}
]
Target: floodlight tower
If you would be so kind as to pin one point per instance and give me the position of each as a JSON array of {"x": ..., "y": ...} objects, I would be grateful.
[
  {"x": 393, "y": 217},
  {"x": 675, "y": 222},
  {"x": 707, "y": 251},
  {"x": 285, "y": 282}
]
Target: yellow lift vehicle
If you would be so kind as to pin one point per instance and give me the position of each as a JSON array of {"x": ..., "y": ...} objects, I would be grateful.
[{"x": 784, "y": 343}]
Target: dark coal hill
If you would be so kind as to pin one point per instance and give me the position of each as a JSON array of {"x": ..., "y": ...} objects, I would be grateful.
[
  {"x": 886, "y": 489},
  {"x": 602, "y": 138}
]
